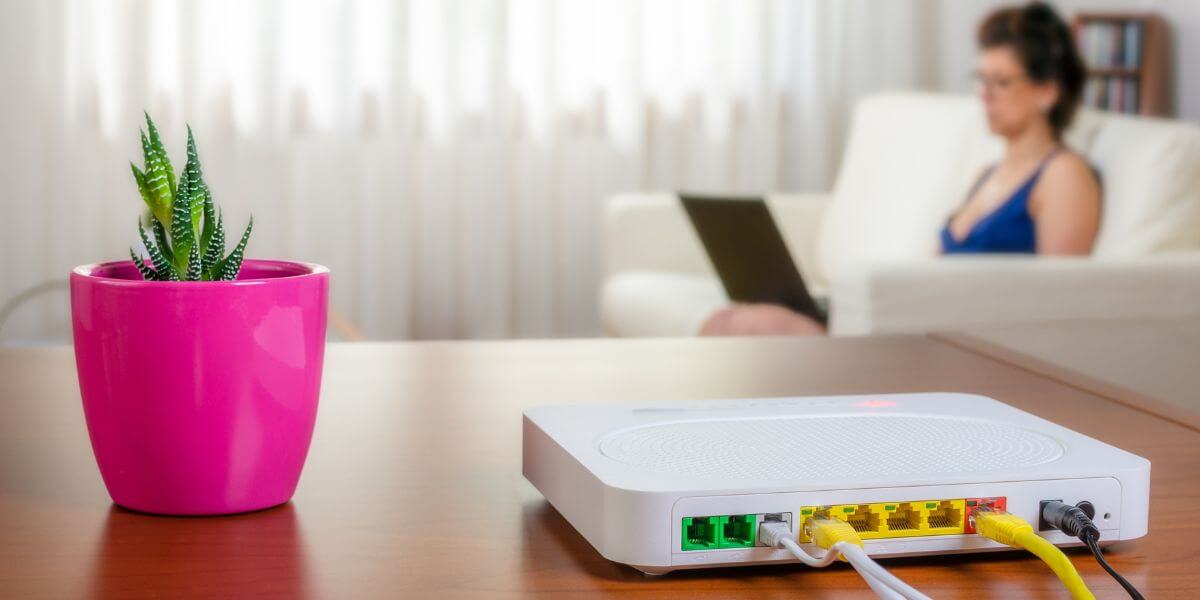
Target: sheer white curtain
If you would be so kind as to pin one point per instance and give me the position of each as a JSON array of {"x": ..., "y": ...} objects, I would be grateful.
[{"x": 446, "y": 158}]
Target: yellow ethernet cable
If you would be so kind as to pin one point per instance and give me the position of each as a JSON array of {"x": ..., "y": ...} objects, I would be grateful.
[
  {"x": 1011, "y": 530},
  {"x": 827, "y": 532}
]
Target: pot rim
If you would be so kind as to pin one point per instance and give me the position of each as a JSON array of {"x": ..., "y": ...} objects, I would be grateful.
[{"x": 97, "y": 273}]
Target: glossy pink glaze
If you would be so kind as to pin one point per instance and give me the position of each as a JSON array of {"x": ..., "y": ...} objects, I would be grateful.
[{"x": 200, "y": 397}]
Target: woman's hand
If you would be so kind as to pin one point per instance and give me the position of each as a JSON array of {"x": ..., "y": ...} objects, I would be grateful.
[{"x": 759, "y": 319}]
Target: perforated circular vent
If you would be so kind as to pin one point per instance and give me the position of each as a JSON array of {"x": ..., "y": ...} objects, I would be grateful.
[{"x": 826, "y": 447}]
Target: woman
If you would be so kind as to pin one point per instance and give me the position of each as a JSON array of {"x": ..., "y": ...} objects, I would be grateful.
[{"x": 1040, "y": 198}]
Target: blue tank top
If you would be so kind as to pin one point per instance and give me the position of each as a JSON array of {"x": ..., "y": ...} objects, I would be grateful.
[{"x": 1009, "y": 228}]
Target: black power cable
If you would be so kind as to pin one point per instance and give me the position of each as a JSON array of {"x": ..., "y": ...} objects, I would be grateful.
[
  {"x": 1075, "y": 521},
  {"x": 1092, "y": 545}
]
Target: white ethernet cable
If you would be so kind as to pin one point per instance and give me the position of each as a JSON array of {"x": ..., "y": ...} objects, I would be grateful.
[
  {"x": 778, "y": 534},
  {"x": 866, "y": 565}
]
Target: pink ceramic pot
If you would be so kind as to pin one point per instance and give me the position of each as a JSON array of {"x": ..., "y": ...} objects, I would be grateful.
[{"x": 200, "y": 397}]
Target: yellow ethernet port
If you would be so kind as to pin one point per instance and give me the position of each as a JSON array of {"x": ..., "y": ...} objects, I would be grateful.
[
  {"x": 864, "y": 520},
  {"x": 883, "y": 520},
  {"x": 904, "y": 518},
  {"x": 945, "y": 516}
]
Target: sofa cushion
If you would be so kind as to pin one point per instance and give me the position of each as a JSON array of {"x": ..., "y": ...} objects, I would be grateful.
[{"x": 1151, "y": 175}]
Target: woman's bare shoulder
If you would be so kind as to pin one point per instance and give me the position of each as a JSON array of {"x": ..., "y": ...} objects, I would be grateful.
[
  {"x": 1068, "y": 177},
  {"x": 1069, "y": 167},
  {"x": 1066, "y": 206}
]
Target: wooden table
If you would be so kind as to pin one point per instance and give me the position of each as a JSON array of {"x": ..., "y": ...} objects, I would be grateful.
[{"x": 413, "y": 484}]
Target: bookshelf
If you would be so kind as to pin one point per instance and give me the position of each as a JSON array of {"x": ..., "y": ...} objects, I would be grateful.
[{"x": 1126, "y": 58}]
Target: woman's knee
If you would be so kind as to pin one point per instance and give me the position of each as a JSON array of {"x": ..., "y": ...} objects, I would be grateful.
[{"x": 760, "y": 319}]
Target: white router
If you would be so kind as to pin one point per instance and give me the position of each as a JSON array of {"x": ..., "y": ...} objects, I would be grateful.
[{"x": 682, "y": 485}]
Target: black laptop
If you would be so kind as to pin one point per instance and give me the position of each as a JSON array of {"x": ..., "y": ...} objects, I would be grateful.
[{"x": 749, "y": 253}]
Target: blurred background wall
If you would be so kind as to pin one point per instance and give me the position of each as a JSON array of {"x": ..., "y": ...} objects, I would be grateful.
[{"x": 446, "y": 158}]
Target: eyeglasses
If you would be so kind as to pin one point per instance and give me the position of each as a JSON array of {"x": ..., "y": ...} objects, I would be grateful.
[{"x": 998, "y": 83}]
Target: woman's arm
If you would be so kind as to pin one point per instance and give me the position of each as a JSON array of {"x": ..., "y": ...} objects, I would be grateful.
[{"x": 1066, "y": 207}]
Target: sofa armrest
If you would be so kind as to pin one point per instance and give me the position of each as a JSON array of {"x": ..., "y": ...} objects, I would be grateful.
[
  {"x": 651, "y": 232},
  {"x": 958, "y": 292}
]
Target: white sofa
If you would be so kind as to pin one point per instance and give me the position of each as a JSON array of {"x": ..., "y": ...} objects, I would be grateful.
[{"x": 871, "y": 244}]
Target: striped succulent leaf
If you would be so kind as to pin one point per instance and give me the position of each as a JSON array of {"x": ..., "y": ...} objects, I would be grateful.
[
  {"x": 233, "y": 263},
  {"x": 210, "y": 222},
  {"x": 162, "y": 266},
  {"x": 140, "y": 178},
  {"x": 161, "y": 152},
  {"x": 160, "y": 236},
  {"x": 182, "y": 234},
  {"x": 147, "y": 273},
  {"x": 193, "y": 270},
  {"x": 159, "y": 178},
  {"x": 195, "y": 190},
  {"x": 211, "y": 261}
]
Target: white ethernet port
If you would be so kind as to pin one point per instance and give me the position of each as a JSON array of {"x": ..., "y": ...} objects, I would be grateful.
[{"x": 775, "y": 518}]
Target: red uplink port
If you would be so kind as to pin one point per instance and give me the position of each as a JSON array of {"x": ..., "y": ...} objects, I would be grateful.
[{"x": 973, "y": 504}]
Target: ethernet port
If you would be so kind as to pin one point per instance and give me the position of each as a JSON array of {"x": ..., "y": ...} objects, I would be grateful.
[
  {"x": 737, "y": 531},
  {"x": 807, "y": 514},
  {"x": 904, "y": 518},
  {"x": 862, "y": 519},
  {"x": 778, "y": 517},
  {"x": 785, "y": 518},
  {"x": 945, "y": 515},
  {"x": 701, "y": 533}
]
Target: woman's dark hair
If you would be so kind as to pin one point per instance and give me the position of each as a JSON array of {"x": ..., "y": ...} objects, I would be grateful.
[{"x": 1044, "y": 45}]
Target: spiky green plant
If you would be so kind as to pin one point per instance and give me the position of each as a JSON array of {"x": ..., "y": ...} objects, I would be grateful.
[{"x": 189, "y": 234}]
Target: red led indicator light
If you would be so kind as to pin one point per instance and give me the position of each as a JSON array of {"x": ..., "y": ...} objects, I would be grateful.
[{"x": 876, "y": 403}]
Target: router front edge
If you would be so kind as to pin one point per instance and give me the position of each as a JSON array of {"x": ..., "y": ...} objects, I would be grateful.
[{"x": 685, "y": 484}]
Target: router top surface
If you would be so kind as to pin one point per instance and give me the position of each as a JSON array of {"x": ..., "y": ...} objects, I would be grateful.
[{"x": 815, "y": 443}]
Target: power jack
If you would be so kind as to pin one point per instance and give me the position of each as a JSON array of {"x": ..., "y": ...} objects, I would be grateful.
[
  {"x": 1044, "y": 525},
  {"x": 1087, "y": 509}
]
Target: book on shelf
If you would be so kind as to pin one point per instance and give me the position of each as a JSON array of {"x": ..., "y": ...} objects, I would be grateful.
[
  {"x": 1112, "y": 49},
  {"x": 1116, "y": 93},
  {"x": 1133, "y": 45},
  {"x": 1131, "y": 96},
  {"x": 1111, "y": 44}
]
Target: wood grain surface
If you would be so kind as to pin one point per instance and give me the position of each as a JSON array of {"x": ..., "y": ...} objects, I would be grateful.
[{"x": 413, "y": 484}]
